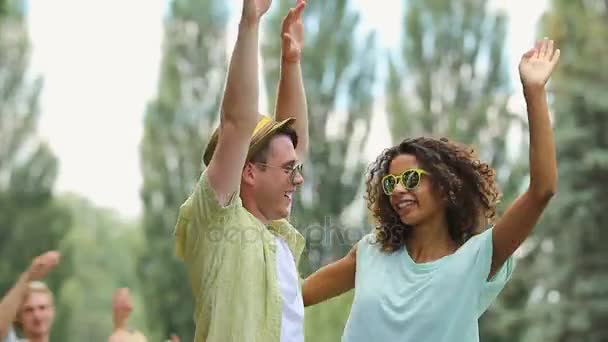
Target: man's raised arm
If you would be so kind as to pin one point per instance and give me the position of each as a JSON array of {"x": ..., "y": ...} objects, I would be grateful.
[
  {"x": 239, "y": 110},
  {"x": 291, "y": 96}
]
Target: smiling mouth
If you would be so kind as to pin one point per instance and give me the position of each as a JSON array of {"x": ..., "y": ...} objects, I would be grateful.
[
  {"x": 405, "y": 204},
  {"x": 289, "y": 195}
]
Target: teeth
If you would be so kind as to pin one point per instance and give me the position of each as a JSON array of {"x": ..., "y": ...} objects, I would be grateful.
[{"x": 405, "y": 203}]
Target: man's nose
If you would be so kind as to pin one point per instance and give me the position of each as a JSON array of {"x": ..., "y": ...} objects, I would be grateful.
[{"x": 298, "y": 179}]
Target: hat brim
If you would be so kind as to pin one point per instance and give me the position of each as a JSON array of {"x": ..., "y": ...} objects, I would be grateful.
[{"x": 258, "y": 139}]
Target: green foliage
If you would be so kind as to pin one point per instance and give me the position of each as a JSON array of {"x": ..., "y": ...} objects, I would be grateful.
[
  {"x": 104, "y": 249},
  {"x": 31, "y": 222},
  {"x": 177, "y": 126},
  {"x": 570, "y": 299},
  {"x": 325, "y": 322}
]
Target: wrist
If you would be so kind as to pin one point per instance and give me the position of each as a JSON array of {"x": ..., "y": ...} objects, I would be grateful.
[
  {"x": 287, "y": 61},
  {"x": 533, "y": 90},
  {"x": 26, "y": 277},
  {"x": 249, "y": 24}
]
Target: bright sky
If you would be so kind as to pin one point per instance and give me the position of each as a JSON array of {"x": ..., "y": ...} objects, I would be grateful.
[{"x": 99, "y": 62}]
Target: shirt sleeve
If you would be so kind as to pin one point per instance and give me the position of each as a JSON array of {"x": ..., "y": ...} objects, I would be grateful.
[
  {"x": 489, "y": 288},
  {"x": 201, "y": 207}
]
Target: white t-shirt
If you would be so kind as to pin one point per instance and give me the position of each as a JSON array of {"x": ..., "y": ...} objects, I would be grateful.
[
  {"x": 292, "y": 320},
  {"x": 11, "y": 337}
]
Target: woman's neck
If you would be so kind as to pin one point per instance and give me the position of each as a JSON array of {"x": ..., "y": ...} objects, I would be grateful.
[{"x": 430, "y": 241}]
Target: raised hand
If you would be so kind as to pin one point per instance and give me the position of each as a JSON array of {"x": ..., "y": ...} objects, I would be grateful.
[
  {"x": 42, "y": 264},
  {"x": 537, "y": 64},
  {"x": 292, "y": 33},
  {"x": 254, "y": 9}
]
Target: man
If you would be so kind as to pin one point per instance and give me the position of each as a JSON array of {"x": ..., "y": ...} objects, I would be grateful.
[
  {"x": 121, "y": 309},
  {"x": 240, "y": 252},
  {"x": 30, "y": 302},
  {"x": 37, "y": 313}
]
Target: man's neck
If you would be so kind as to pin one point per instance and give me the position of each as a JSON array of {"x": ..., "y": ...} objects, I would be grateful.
[
  {"x": 44, "y": 338},
  {"x": 120, "y": 324},
  {"x": 250, "y": 205}
]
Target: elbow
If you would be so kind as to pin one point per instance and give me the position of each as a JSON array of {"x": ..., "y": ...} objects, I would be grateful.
[
  {"x": 240, "y": 123},
  {"x": 306, "y": 295},
  {"x": 307, "y": 303},
  {"x": 545, "y": 194}
]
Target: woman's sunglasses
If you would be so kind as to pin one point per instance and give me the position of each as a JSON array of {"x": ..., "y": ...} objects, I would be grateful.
[{"x": 410, "y": 179}]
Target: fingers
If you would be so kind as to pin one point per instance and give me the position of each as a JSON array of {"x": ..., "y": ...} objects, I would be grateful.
[
  {"x": 49, "y": 258},
  {"x": 299, "y": 8},
  {"x": 43, "y": 264},
  {"x": 555, "y": 58},
  {"x": 549, "y": 53},
  {"x": 544, "y": 44},
  {"x": 294, "y": 14},
  {"x": 538, "y": 47},
  {"x": 287, "y": 40},
  {"x": 289, "y": 18},
  {"x": 529, "y": 54}
]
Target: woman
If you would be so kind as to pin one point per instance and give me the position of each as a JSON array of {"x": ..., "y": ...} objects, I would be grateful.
[{"x": 430, "y": 268}]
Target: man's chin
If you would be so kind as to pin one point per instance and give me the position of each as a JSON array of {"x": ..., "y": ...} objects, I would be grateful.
[
  {"x": 39, "y": 332},
  {"x": 282, "y": 214}
]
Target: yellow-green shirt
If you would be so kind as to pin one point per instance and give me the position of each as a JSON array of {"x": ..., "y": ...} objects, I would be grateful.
[{"x": 230, "y": 257}]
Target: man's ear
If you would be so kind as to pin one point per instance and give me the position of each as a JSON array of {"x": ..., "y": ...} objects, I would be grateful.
[{"x": 248, "y": 176}]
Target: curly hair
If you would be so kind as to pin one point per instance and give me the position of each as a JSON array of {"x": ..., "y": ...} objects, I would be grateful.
[{"x": 468, "y": 184}]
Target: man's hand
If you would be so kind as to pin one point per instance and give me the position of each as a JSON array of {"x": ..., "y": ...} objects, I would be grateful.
[
  {"x": 292, "y": 34},
  {"x": 42, "y": 264},
  {"x": 537, "y": 64},
  {"x": 254, "y": 9}
]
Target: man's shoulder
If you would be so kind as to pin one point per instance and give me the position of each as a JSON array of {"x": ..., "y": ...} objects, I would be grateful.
[{"x": 127, "y": 336}]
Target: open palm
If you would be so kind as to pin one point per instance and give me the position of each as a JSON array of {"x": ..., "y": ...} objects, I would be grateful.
[
  {"x": 537, "y": 64},
  {"x": 292, "y": 33},
  {"x": 254, "y": 9},
  {"x": 43, "y": 264}
]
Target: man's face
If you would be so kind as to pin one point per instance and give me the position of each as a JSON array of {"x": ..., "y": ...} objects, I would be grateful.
[
  {"x": 274, "y": 184},
  {"x": 37, "y": 314}
]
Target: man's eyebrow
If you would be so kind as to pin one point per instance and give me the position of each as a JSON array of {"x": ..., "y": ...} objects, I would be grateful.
[{"x": 290, "y": 163}]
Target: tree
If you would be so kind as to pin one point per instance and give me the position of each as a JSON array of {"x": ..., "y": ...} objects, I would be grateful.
[
  {"x": 31, "y": 222},
  {"x": 177, "y": 126},
  {"x": 570, "y": 299},
  {"x": 104, "y": 249}
]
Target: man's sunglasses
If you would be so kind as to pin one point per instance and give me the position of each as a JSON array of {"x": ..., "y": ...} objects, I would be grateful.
[{"x": 410, "y": 179}]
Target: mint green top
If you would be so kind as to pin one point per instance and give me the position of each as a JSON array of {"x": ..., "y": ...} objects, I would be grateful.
[
  {"x": 397, "y": 299},
  {"x": 230, "y": 257}
]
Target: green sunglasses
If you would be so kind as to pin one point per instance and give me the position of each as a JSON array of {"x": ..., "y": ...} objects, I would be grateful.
[{"x": 410, "y": 179}]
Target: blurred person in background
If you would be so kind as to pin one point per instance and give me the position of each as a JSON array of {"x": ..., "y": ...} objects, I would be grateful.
[
  {"x": 29, "y": 303},
  {"x": 121, "y": 309}
]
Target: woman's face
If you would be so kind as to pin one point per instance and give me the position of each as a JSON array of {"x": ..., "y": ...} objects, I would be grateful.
[{"x": 420, "y": 204}]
